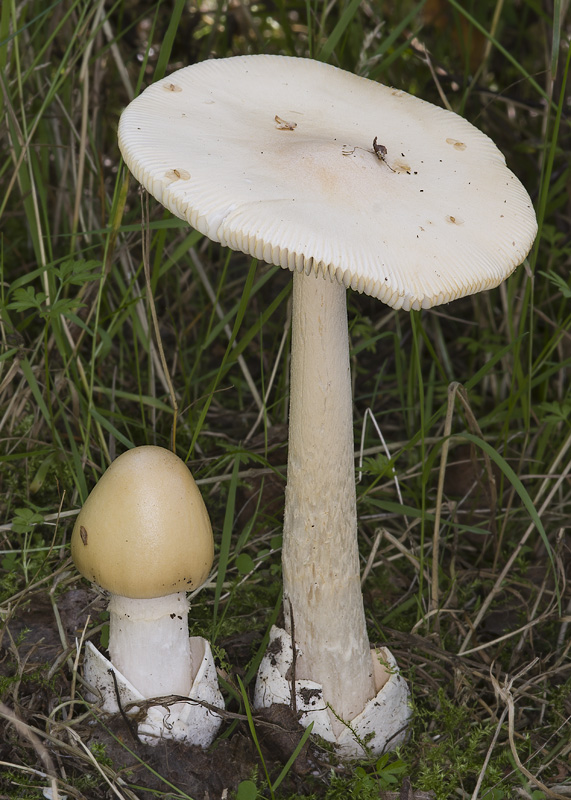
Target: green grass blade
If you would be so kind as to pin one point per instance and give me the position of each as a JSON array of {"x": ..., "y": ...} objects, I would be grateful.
[
  {"x": 168, "y": 40},
  {"x": 500, "y": 48},
  {"x": 224, "y": 553},
  {"x": 237, "y": 323},
  {"x": 253, "y": 733},
  {"x": 289, "y": 763},
  {"x": 522, "y": 494},
  {"x": 325, "y": 52}
]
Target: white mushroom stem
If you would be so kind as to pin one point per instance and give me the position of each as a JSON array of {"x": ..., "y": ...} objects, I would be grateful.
[
  {"x": 149, "y": 643},
  {"x": 320, "y": 551}
]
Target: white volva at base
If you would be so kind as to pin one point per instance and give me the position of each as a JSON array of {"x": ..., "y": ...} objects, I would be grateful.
[
  {"x": 189, "y": 722},
  {"x": 382, "y": 725}
]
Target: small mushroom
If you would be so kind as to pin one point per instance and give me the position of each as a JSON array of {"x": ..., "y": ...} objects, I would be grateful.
[
  {"x": 144, "y": 535},
  {"x": 366, "y": 187}
]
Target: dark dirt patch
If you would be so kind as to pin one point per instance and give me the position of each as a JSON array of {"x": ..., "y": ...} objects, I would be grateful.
[{"x": 37, "y": 686}]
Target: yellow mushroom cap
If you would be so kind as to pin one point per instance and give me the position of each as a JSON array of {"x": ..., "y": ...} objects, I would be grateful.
[{"x": 144, "y": 530}]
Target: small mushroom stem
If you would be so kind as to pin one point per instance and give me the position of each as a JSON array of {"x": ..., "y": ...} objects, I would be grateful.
[
  {"x": 320, "y": 550},
  {"x": 149, "y": 643}
]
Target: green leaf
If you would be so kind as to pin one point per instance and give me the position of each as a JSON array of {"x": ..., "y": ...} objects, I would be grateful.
[
  {"x": 25, "y": 519},
  {"x": 77, "y": 271},
  {"x": 244, "y": 564},
  {"x": 26, "y": 299},
  {"x": 558, "y": 281},
  {"x": 247, "y": 790}
]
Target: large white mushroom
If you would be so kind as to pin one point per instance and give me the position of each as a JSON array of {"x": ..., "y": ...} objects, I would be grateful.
[
  {"x": 144, "y": 535},
  {"x": 347, "y": 183}
]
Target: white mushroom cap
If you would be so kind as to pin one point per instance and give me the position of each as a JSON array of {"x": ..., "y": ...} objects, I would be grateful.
[
  {"x": 144, "y": 531},
  {"x": 273, "y": 156}
]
